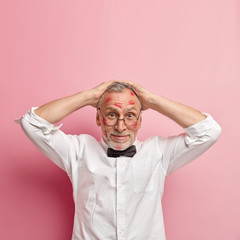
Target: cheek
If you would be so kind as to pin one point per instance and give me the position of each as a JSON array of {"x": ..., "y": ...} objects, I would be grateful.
[
  {"x": 105, "y": 133},
  {"x": 135, "y": 125},
  {"x": 104, "y": 122}
]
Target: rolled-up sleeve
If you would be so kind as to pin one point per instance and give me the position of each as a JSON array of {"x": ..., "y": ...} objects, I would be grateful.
[
  {"x": 184, "y": 148},
  {"x": 59, "y": 147}
]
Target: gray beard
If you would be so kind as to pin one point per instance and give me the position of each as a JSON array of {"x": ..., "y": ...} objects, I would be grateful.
[{"x": 125, "y": 145}]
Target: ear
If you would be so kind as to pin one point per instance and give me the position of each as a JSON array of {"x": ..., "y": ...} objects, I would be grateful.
[
  {"x": 140, "y": 121},
  {"x": 98, "y": 119}
]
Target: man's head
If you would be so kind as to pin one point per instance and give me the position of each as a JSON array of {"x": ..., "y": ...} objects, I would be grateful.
[{"x": 119, "y": 101}]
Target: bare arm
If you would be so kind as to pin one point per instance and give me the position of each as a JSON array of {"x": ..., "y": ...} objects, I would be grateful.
[
  {"x": 56, "y": 110},
  {"x": 183, "y": 115}
]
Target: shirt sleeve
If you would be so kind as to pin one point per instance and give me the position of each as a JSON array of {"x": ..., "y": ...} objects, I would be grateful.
[
  {"x": 64, "y": 150},
  {"x": 184, "y": 148}
]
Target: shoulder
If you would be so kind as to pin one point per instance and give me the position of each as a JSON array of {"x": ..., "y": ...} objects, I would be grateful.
[
  {"x": 82, "y": 142},
  {"x": 154, "y": 143},
  {"x": 159, "y": 144},
  {"x": 84, "y": 138}
]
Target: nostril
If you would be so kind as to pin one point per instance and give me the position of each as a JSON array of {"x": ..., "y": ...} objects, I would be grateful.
[{"x": 120, "y": 126}]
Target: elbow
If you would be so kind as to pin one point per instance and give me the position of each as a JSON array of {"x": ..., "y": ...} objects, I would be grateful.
[
  {"x": 24, "y": 124},
  {"x": 219, "y": 131},
  {"x": 215, "y": 133}
]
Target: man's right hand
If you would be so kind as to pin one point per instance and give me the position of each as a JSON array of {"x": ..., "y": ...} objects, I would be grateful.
[
  {"x": 56, "y": 110},
  {"x": 97, "y": 92}
]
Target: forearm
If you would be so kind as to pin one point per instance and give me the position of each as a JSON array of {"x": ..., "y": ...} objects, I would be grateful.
[
  {"x": 58, "y": 109},
  {"x": 182, "y": 114}
]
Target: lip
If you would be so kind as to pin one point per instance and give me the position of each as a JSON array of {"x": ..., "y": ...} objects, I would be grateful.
[{"x": 119, "y": 137}]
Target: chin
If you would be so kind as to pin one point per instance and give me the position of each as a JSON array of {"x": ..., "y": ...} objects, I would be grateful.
[{"x": 119, "y": 146}]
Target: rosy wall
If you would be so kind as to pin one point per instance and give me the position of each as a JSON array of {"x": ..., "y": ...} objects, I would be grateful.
[{"x": 187, "y": 51}]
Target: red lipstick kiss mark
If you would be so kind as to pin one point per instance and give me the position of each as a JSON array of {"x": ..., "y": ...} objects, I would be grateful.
[
  {"x": 135, "y": 125},
  {"x": 118, "y": 105},
  {"x": 108, "y": 99},
  {"x": 132, "y": 93},
  {"x": 131, "y": 102},
  {"x": 105, "y": 133},
  {"x": 118, "y": 147},
  {"x": 104, "y": 121}
]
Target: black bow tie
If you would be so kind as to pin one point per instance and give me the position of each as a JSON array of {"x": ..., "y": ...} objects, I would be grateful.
[{"x": 129, "y": 152}]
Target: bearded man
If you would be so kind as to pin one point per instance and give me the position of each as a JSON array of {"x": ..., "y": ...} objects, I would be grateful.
[{"x": 118, "y": 181}]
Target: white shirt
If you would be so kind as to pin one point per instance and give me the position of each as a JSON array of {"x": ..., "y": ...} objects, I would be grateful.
[{"x": 119, "y": 198}]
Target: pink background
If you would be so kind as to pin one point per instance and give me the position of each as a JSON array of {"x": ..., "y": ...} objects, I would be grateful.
[{"x": 186, "y": 50}]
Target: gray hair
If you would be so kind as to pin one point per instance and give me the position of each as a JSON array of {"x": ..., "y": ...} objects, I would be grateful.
[{"x": 118, "y": 87}]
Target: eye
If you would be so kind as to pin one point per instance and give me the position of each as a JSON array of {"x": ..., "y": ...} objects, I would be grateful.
[
  {"x": 130, "y": 116},
  {"x": 111, "y": 115}
]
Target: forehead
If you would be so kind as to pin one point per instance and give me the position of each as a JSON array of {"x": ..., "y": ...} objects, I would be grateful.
[{"x": 126, "y": 98}]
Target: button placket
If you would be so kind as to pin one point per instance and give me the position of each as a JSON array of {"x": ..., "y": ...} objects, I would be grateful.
[{"x": 121, "y": 200}]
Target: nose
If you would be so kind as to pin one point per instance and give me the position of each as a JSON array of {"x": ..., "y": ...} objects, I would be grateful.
[{"x": 120, "y": 126}]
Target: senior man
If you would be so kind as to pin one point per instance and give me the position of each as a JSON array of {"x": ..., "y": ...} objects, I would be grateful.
[{"x": 118, "y": 182}]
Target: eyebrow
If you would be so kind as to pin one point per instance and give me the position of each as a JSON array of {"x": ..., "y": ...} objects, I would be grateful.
[
  {"x": 111, "y": 108},
  {"x": 117, "y": 110},
  {"x": 131, "y": 108}
]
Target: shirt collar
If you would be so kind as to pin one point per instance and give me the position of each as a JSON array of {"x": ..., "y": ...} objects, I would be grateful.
[{"x": 105, "y": 146}]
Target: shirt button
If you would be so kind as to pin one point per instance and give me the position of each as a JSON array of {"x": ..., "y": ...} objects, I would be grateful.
[{"x": 120, "y": 186}]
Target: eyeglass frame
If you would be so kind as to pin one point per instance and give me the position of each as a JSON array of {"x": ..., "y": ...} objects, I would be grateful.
[{"x": 120, "y": 119}]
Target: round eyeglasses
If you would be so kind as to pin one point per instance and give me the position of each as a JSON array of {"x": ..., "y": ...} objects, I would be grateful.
[{"x": 111, "y": 119}]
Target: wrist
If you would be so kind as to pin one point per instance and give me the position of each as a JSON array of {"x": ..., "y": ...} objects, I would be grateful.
[
  {"x": 90, "y": 98},
  {"x": 149, "y": 101}
]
